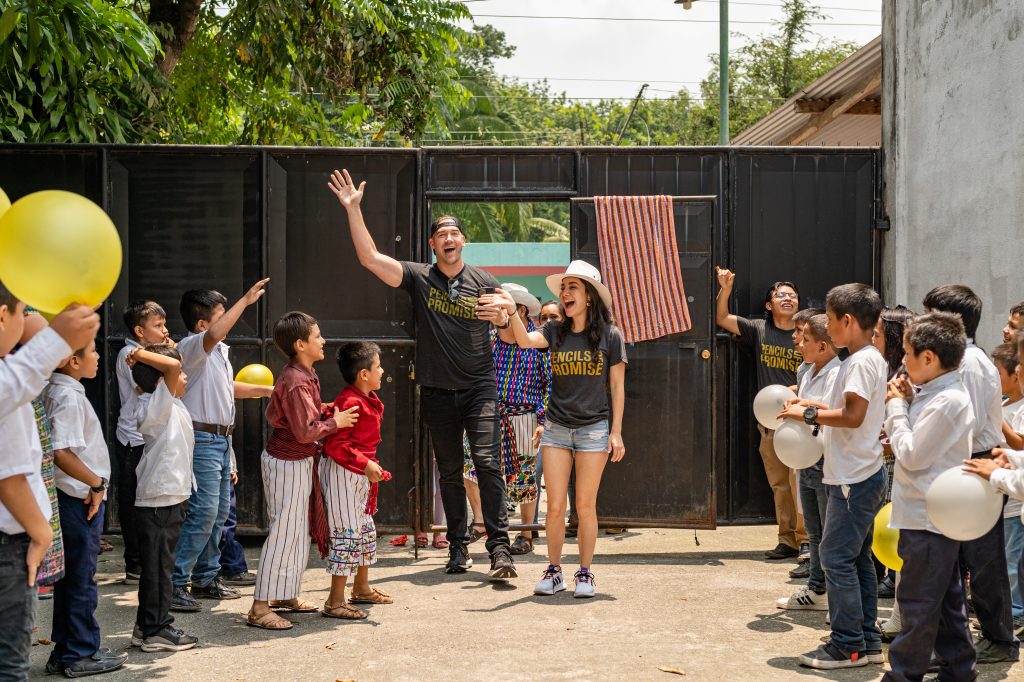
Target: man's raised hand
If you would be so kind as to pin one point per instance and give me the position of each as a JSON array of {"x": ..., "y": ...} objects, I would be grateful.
[
  {"x": 348, "y": 194},
  {"x": 726, "y": 278}
]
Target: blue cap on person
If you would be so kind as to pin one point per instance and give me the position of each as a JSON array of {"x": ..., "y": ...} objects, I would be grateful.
[
  {"x": 583, "y": 270},
  {"x": 522, "y": 296}
]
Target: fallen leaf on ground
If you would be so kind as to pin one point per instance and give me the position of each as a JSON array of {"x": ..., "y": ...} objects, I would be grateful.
[
  {"x": 45, "y": 642},
  {"x": 330, "y": 646},
  {"x": 674, "y": 671}
]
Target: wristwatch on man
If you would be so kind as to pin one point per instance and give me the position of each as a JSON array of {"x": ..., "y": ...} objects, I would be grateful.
[{"x": 101, "y": 487}]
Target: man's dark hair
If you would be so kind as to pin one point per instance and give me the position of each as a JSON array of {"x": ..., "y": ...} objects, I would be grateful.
[
  {"x": 146, "y": 376},
  {"x": 291, "y": 327},
  {"x": 859, "y": 301},
  {"x": 355, "y": 357},
  {"x": 941, "y": 333},
  {"x": 1018, "y": 309},
  {"x": 1005, "y": 355},
  {"x": 894, "y": 323},
  {"x": 198, "y": 304},
  {"x": 817, "y": 328},
  {"x": 806, "y": 314},
  {"x": 137, "y": 313},
  {"x": 959, "y": 299},
  {"x": 8, "y": 299},
  {"x": 444, "y": 221},
  {"x": 770, "y": 293}
]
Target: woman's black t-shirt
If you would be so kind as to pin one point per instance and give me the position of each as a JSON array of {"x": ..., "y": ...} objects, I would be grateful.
[{"x": 579, "y": 378}]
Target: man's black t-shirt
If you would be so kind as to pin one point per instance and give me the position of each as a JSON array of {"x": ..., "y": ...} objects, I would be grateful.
[
  {"x": 453, "y": 348},
  {"x": 776, "y": 357}
]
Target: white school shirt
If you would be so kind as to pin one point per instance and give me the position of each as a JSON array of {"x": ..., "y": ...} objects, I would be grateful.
[
  {"x": 802, "y": 371},
  {"x": 929, "y": 437},
  {"x": 210, "y": 396},
  {"x": 981, "y": 379},
  {"x": 75, "y": 427},
  {"x": 22, "y": 377},
  {"x": 1012, "y": 416},
  {"x": 127, "y": 425},
  {"x": 817, "y": 386},
  {"x": 854, "y": 455},
  {"x": 165, "y": 470}
]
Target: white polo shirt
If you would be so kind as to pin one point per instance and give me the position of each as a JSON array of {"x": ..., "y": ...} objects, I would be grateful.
[
  {"x": 210, "y": 396},
  {"x": 854, "y": 455},
  {"x": 817, "y": 386},
  {"x": 127, "y": 425},
  {"x": 981, "y": 379},
  {"x": 22, "y": 377},
  {"x": 75, "y": 427},
  {"x": 165, "y": 470},
  {"x": 1013, "y": 414}
]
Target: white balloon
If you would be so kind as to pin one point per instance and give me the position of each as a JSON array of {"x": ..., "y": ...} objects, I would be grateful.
[
  {"x": 796, "y": 445},
  {"x": 963, "y": 506},
  {"x": 768, "y": 402}
]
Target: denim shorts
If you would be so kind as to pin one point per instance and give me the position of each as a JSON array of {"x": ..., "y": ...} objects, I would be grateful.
[{"x": 591, "y": 438}]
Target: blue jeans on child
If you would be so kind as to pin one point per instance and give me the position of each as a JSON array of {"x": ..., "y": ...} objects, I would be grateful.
[
  {"x": 197, "y": 556},
  {"x": 75, "y": 633},
  {"x": 1013, "y": 532},
  {"x": 846, "y": 558},
  {"x": 814, "y": 499},
  {"x": 17, "y": 607},
  {"x": 232, "y": 554}
]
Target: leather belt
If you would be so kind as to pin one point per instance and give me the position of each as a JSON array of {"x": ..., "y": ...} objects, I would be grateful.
[
  {"x": 982, "y": 454},
  {"x": 215, "y": 429}
]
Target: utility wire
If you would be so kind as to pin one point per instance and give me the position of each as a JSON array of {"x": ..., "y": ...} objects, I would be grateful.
[
  {"x": 660, "y": 20},
  {"x": 758, "y": 4}
]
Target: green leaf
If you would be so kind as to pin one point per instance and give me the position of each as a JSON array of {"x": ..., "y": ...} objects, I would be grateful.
[{"x": 8, "y": 20}]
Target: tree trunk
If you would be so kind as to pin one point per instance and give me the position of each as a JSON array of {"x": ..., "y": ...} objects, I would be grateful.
[{"x": 179, "y": 18}]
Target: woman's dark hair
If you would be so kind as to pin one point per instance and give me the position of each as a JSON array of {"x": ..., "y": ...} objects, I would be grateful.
[
  {"x": 894, "y": 323},
  {"x": 599, "y": 318}
]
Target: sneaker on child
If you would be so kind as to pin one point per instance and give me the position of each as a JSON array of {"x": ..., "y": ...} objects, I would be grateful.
[
  {"x": 551, "y": 582},
  {"x": 182, "y": 600},
  {"x": 169, "y": 639},
  {"x": 829, "y": 657},
  {"x": 804, "y": 599}
]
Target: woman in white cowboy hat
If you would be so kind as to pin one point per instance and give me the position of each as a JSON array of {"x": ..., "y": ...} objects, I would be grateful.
[
  {"x": 584, "y": 419},
  {"x": 522, "y": 376}
]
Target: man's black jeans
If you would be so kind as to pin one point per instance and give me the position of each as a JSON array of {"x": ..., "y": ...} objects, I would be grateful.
[{"x": 447, "y": 413}]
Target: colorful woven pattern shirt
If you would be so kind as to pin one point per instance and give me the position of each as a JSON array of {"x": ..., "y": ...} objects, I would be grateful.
[{"x": 523, "y": 375}]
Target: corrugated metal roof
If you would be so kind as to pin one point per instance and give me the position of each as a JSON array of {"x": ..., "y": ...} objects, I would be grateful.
[{"x": 846, "y": 130}]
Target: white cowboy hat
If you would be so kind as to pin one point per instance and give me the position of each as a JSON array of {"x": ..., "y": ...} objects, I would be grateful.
[
  {"x": 581, "y": 270},
  {"x": 522, "y": 296}
]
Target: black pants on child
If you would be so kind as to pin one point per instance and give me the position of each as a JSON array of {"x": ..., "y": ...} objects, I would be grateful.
[
  {"x": 128, "y": 459},
  {"x": 76, "y": 634},
  {"x": 933, "y": 609},
  {"x": 985, "y": 558},
  {"x": 17, "y": 607},
  {"x": 158, "y": 528}
]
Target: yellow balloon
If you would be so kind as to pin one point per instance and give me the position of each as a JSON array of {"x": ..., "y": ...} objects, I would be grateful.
[
  {"x": 5, "y": 203},
  {"x": 58, "y": 248},
  {"x": 886, "y": 540},
  {"x": 255, "y": 374}
]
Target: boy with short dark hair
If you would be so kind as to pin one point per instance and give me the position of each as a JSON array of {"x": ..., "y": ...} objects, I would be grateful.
[
  {"x": 1014, "y": 322},
  {"x": 165, "y": 483},
  {"x": 1005, "y": 358},
  {"x": 929, "y": 432},
  {"x": 984, "y": 556},
  {"x": 146, "y": 323},
  {"x": 83, "y": 468},
  {"x": 210, "y": 401},
  {"x": 24, "y": 502},
  {"x": 800, "y": 320},
  {"x": 349, "y": 477},
  {"x": 856, "y": 480}
]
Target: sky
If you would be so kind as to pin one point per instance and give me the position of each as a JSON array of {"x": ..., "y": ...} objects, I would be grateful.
[{"x": 608, "y": 58}]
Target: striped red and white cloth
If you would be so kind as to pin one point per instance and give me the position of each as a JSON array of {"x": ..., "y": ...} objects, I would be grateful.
[{"x": 636, "y": 237}]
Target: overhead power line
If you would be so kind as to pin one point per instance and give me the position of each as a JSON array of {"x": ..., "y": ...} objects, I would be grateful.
[
  {"x": 658, "y": 20},
  {"x": 757, "y": 4}
]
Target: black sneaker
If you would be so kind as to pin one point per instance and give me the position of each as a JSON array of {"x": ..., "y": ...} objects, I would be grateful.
[
  {"x": 215, "y": 590},
  {"x": 169, "y": 639},
  {"x": 247, "y": 579},
  {"x": 54, "y": 665},
  {"x": 182, "y": 600},
  {"x": 829, "y": 657},
  {"x": 132, "y": 578},
  {"x": 801, "y": 572},
  {"x": 990, "y": 652},
  {"x": 782, "y": 551},
  {"x": 502, "y": 566},
  {"x": 458, "y": 559},
  {"x": 103, "y": 661},
  {"x": 886, "y": 588},
  {"x": 805, "y": 552}
]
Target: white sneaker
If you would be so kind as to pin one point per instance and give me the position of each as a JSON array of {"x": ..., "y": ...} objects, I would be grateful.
[
  {"x": 584, "y": 584},
  {"x": 551, "y": 582},
  {"x": 804, "y": 600}
]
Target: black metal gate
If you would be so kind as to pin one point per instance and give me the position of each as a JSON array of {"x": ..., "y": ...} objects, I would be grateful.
[{"x": 222, "y": 217}]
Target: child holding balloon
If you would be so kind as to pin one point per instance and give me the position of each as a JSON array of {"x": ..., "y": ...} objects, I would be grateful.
[{"x": 929, "y": 433}]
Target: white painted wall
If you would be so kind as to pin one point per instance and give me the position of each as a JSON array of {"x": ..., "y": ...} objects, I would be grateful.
[{"x": 953, "y": 137}]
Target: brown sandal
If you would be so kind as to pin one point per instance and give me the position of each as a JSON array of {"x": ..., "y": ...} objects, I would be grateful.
[
  {"x": 375, "y": 597},
  {"x": 269, "y": 621},
  {"x": 342, "y": 611},
  {"x": 301, "y": 606}
]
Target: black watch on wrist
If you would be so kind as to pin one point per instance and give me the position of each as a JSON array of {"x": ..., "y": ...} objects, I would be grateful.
[
  {"x": 811, "y": 415},
  {"x": 101, "y": 487}
]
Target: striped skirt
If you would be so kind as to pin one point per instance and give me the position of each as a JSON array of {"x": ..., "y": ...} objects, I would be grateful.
[
  {"x": 353, "y": 540},
  {"x": 286, "y": 488}
]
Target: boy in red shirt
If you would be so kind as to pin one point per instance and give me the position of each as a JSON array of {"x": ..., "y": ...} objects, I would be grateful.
[{"x": 349, "y": 476}]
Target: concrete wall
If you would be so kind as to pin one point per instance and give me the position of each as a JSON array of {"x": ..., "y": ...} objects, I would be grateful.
[{"x": 953, "y": 136}]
